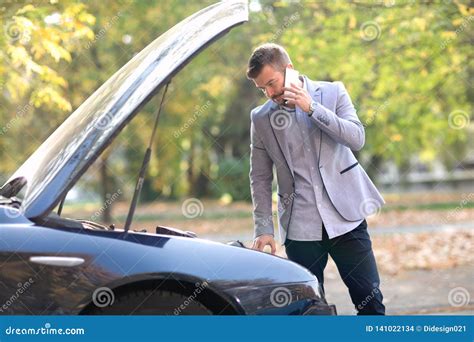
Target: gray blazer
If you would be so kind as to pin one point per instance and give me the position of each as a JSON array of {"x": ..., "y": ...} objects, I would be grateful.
[{"x": 340, "y": 131}]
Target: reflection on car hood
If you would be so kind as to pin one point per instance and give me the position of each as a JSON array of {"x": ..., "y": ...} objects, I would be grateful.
[{"x": 59, "y": 162}]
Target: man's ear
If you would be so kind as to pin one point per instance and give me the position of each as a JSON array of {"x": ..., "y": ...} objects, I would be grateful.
[{"x": 290, "y": 66}]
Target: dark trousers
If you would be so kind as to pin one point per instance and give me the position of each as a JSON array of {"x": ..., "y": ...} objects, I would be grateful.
[{"x": 352, "y": 253}]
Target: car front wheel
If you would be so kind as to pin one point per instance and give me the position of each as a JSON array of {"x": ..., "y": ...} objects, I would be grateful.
[{"x": 149, "y": 302}]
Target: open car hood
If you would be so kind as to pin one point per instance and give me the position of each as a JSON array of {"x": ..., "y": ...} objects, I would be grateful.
[{"x": 60, "y": 161}]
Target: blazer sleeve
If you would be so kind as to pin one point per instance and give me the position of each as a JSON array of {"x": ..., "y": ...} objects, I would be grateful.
[
  {"x": 343, "y": 125},
  {"x": 261, "y": 177}
]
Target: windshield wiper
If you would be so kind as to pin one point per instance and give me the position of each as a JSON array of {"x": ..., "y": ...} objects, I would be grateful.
[{"x": 146, "y": 161}]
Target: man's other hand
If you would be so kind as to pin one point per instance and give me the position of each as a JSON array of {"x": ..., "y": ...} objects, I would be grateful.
[{"x": 263, "y": 240}]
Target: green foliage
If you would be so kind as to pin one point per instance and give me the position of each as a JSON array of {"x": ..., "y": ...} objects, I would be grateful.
[
  {"x": 232, "y": 179},
  {"x": 407, "y": 66},
  {"x": 36, "y": 44},
  {"x": 35, "y": 40}
]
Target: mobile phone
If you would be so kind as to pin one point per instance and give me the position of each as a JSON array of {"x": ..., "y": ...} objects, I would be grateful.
[{"x": 291, "y": 76}]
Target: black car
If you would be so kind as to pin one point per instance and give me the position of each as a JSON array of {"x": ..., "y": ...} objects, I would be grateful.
[{"x": 54, "y": 265}]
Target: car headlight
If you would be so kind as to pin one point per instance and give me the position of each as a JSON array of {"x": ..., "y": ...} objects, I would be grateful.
[{"x": 281, "y": 299}]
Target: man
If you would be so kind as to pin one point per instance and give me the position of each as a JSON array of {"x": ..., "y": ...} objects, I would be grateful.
[{"x": 308, "y": 132}]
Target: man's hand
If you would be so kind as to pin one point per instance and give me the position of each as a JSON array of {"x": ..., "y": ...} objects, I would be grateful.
[
  {"x": 298, "y": 96},
  {"x": 263, "y": 240}
]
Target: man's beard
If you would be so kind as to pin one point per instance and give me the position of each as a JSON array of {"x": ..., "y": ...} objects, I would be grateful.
[{"x": 281, "y": 101}]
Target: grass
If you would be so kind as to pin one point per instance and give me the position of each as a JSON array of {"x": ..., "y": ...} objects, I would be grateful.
[
  {"x": 429, "y": 206},
  {"x": 171, "y": 211},
  {"x": 238, "y": 214}
]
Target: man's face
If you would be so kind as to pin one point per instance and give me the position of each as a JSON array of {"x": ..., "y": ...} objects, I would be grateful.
[{"x": 271, "y": 82}]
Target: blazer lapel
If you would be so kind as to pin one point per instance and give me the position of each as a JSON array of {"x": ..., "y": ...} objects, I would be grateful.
[
  {"x": 281, "y": 138},
  {"x": 314, "y": 90}
]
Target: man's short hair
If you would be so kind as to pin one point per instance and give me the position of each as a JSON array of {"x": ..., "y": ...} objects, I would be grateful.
[{"x": 267, "y": 54}]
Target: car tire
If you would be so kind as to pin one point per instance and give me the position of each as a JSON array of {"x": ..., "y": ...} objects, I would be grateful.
[{"x": 150, "y": 302}]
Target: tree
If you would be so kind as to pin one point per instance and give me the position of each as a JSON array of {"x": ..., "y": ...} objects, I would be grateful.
[{"x": 36, "y": 46}]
